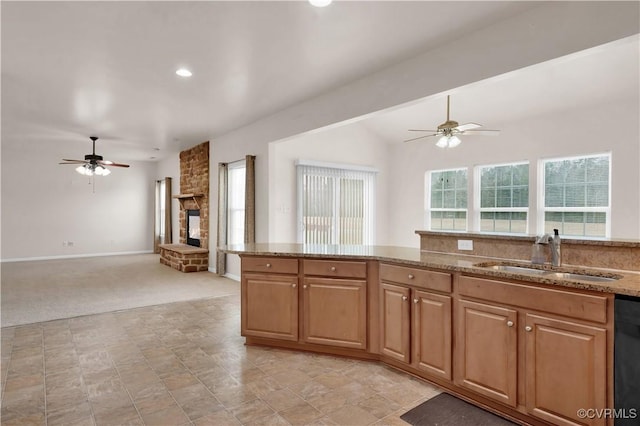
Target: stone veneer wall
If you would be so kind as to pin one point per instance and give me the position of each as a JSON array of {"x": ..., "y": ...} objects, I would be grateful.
[
  {"x": 613, "y": 254},
  {"x": 194, "y": 179}
]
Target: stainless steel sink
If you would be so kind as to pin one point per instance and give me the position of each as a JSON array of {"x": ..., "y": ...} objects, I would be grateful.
[
  {"x": 517, "y": 269},
  {"x": 580, "y": 277},
  {"x": 509, "y": 267}
]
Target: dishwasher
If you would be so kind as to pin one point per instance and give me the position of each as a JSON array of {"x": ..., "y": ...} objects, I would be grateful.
[{"x": 627, "y": 360}]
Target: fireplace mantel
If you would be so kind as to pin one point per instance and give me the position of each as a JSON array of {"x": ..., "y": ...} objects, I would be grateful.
[{"x": 183, "y": 197}]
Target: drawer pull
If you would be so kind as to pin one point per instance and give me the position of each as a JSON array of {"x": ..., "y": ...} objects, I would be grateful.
[
  {"x": 294, "y": 285},
  {"x": 268, "y": 265},
  {"x": 415, "y": 300},
  {"x": 528, "y": 328},
  {"x": 410, "y": 276},
  {"x": 333, "y": 269},
  {"x": 304, "y": 286},
  {"x": 509, "y": 323},
  {"x": 404, "y": 298}
]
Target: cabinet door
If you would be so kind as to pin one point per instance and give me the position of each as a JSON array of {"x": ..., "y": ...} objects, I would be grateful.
[
  {"x": 486, "y": 354},
  {"x": 335, "y": 312},
  {"x": 269, "y": 306},
  {"x": 431, "y": 340},
  {"x": 395, "y": 326},
  {"x": 566, "y": 370}
]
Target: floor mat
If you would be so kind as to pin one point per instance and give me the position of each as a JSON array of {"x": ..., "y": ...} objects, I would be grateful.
[{"x": 447, "y": 410}]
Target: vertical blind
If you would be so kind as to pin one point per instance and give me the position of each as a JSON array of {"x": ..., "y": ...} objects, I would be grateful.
[
  {"x": 236, "y": 202},
  {"x": 335, "y": 205}
]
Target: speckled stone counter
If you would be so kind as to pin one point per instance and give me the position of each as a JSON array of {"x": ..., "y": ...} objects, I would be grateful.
[{"x": 627, "y": 282}]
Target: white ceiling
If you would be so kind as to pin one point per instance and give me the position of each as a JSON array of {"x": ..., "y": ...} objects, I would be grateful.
[{"x": 75, "y": 69}]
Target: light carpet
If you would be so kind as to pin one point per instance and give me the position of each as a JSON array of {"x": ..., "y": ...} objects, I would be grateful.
[{"x": 36, "y": 291}]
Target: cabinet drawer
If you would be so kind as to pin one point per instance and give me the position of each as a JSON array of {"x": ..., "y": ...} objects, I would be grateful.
[
  {"x": 278, "y": 265},
  {"x": 421, "y": 278},
  {"x": 576, "y": 305},
  {"x": 335, "y": 268}
]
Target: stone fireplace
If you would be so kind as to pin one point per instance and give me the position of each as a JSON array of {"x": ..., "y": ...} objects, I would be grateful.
[{"x": 192, "y": 252}]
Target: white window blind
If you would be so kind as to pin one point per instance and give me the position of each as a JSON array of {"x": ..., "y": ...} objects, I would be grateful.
[
  {"x": 235, "y": 202},
  {"x": 335, "y": 205},
  {"x": 576, "y": 195},
  {"x": 447, "y": 200},
  {"x": 503, "y": 204}
]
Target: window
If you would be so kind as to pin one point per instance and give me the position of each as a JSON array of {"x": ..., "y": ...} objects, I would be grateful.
[
  {"x": 235, "y": 202},
  {"x": 504, "y": 198},
  {"x": 447, "y": 200},
  {"x": 576, "y": 195},
  {"x": 335, "y": 204}
]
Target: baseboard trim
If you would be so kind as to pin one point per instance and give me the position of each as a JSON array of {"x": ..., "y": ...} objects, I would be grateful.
[
  {"x": 74, "y": 256},
  {"x": 232, "y": 277}
]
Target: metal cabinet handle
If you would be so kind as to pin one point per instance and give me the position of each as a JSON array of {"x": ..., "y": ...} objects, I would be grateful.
[
  {"x": 268, "y": 265},
  {"x": 415, "y": 300},
  {"x": 333, "y": 269},
  {"x": 509, "y": 323},
  {"x": 404, "y": 298},
  {"x": 410, "y": 276},
  {"x": 528, "y": 328},
  {"x": 304, "y": 286},
  {"x": 294, "y": 285}
]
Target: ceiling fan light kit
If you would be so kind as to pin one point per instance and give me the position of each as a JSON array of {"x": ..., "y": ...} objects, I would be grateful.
[
  {"x": 93, "y": 165},
  {"x": 449, "y": 130}
]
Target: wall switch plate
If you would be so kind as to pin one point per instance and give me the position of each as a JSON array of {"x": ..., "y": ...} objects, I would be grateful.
[{"x": 465, "y": 244}]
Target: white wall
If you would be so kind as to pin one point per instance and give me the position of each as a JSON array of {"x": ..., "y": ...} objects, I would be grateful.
[
  {"x": 44, "y": 204},
  {"x": 351, "y": 144},
  {"x": 575, "y": 132},
  {"x": 170, "y": 167}
]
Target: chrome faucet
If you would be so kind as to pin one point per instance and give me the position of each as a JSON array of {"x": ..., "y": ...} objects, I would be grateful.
[{"x": 554, "y": 246}]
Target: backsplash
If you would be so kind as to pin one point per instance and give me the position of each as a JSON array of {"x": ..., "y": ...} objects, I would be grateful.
[{"x": 612, "y": 254}]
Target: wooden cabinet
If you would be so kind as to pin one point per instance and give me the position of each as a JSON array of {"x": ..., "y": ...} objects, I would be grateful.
[
  {"x": 565, "y": 369},
  {"x": 487, "y": 350},
  {"x": 415, "y": 324},
  {"x": 562, "y": 364},
  {"x": 335, "y": 312},
  {"x": 269, "y": 297},
  {"x": 269, "y": 306},
  {"x": 334, "y": 303}
]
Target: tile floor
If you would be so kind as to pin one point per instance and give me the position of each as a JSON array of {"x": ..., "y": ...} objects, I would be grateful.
[{"x": 185, "y": 363}]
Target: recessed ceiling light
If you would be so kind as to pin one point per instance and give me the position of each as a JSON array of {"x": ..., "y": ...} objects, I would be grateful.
[
  {"x": 183, "y": 72},
  {"x": 320, "y": 3}
]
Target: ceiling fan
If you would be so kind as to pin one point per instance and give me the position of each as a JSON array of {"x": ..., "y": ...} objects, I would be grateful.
[
  {"x": 93, "y": 164},
  {"x": 450, "y": 130}
]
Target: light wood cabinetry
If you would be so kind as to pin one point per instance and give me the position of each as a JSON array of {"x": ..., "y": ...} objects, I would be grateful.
[
  {"x": 563, "y": 358},
  {"x": 334, "y": 300},
  {"x": 415, "y": 323},
  {"x": 269, "y": 305},
  {"x": 335, "y": 312}
]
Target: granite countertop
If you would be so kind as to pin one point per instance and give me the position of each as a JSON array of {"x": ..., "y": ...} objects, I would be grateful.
[{"x": 627, "y": 284}]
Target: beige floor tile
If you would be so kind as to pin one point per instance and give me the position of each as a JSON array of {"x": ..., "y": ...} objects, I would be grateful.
[
  {"x": 301, "y": 414},
  {"x": 379, "y": 406},
  {"x": 75, "y": 413},
  {"x": 352, "y": 415},
  {"x": 172, "y": 415},
  {"x": 249, "y": 411},
  {"x": 32, "y": 420},
  {"x": 201, "y": 406},
  {"x": 197, "y": 390},
  {"x": 179, "y": 381},
  {"x": 156, "y": 402},
  {"x": 282, "y": 399},
  {"x": 20, "y": 382},
  {"x": 220, "y": 418},
  {"x": 270, "y": 420},
  {"x": 233, "y": 397},
  {"x": 119, "y": 417}
]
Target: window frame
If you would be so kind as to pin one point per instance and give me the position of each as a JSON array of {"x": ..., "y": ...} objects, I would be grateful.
[
  {"x": 477, "y": 200},
  {"x": 240, "y": 164},
  {"x": 429, "y": 209},
  {"x": 541, "y": 194}
]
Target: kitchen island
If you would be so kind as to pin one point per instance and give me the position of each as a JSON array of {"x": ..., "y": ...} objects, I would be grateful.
[{"x": 535, "y": 346}]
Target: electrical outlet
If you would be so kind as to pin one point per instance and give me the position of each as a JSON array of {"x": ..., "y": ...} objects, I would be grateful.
[
  {"x": 69, "y": 243},
  {"x": 465, "y": 244}
]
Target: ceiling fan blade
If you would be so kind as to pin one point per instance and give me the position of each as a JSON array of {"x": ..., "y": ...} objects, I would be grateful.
[
  {"x": 111, "y": 163},
  {"x": 467, "y": 126},
  {"x": 483, "y": 132},
  {"x": 74, "y": 161},
  {"x": 421, "y": 130},
  {"x": 421, "y": 137}
]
